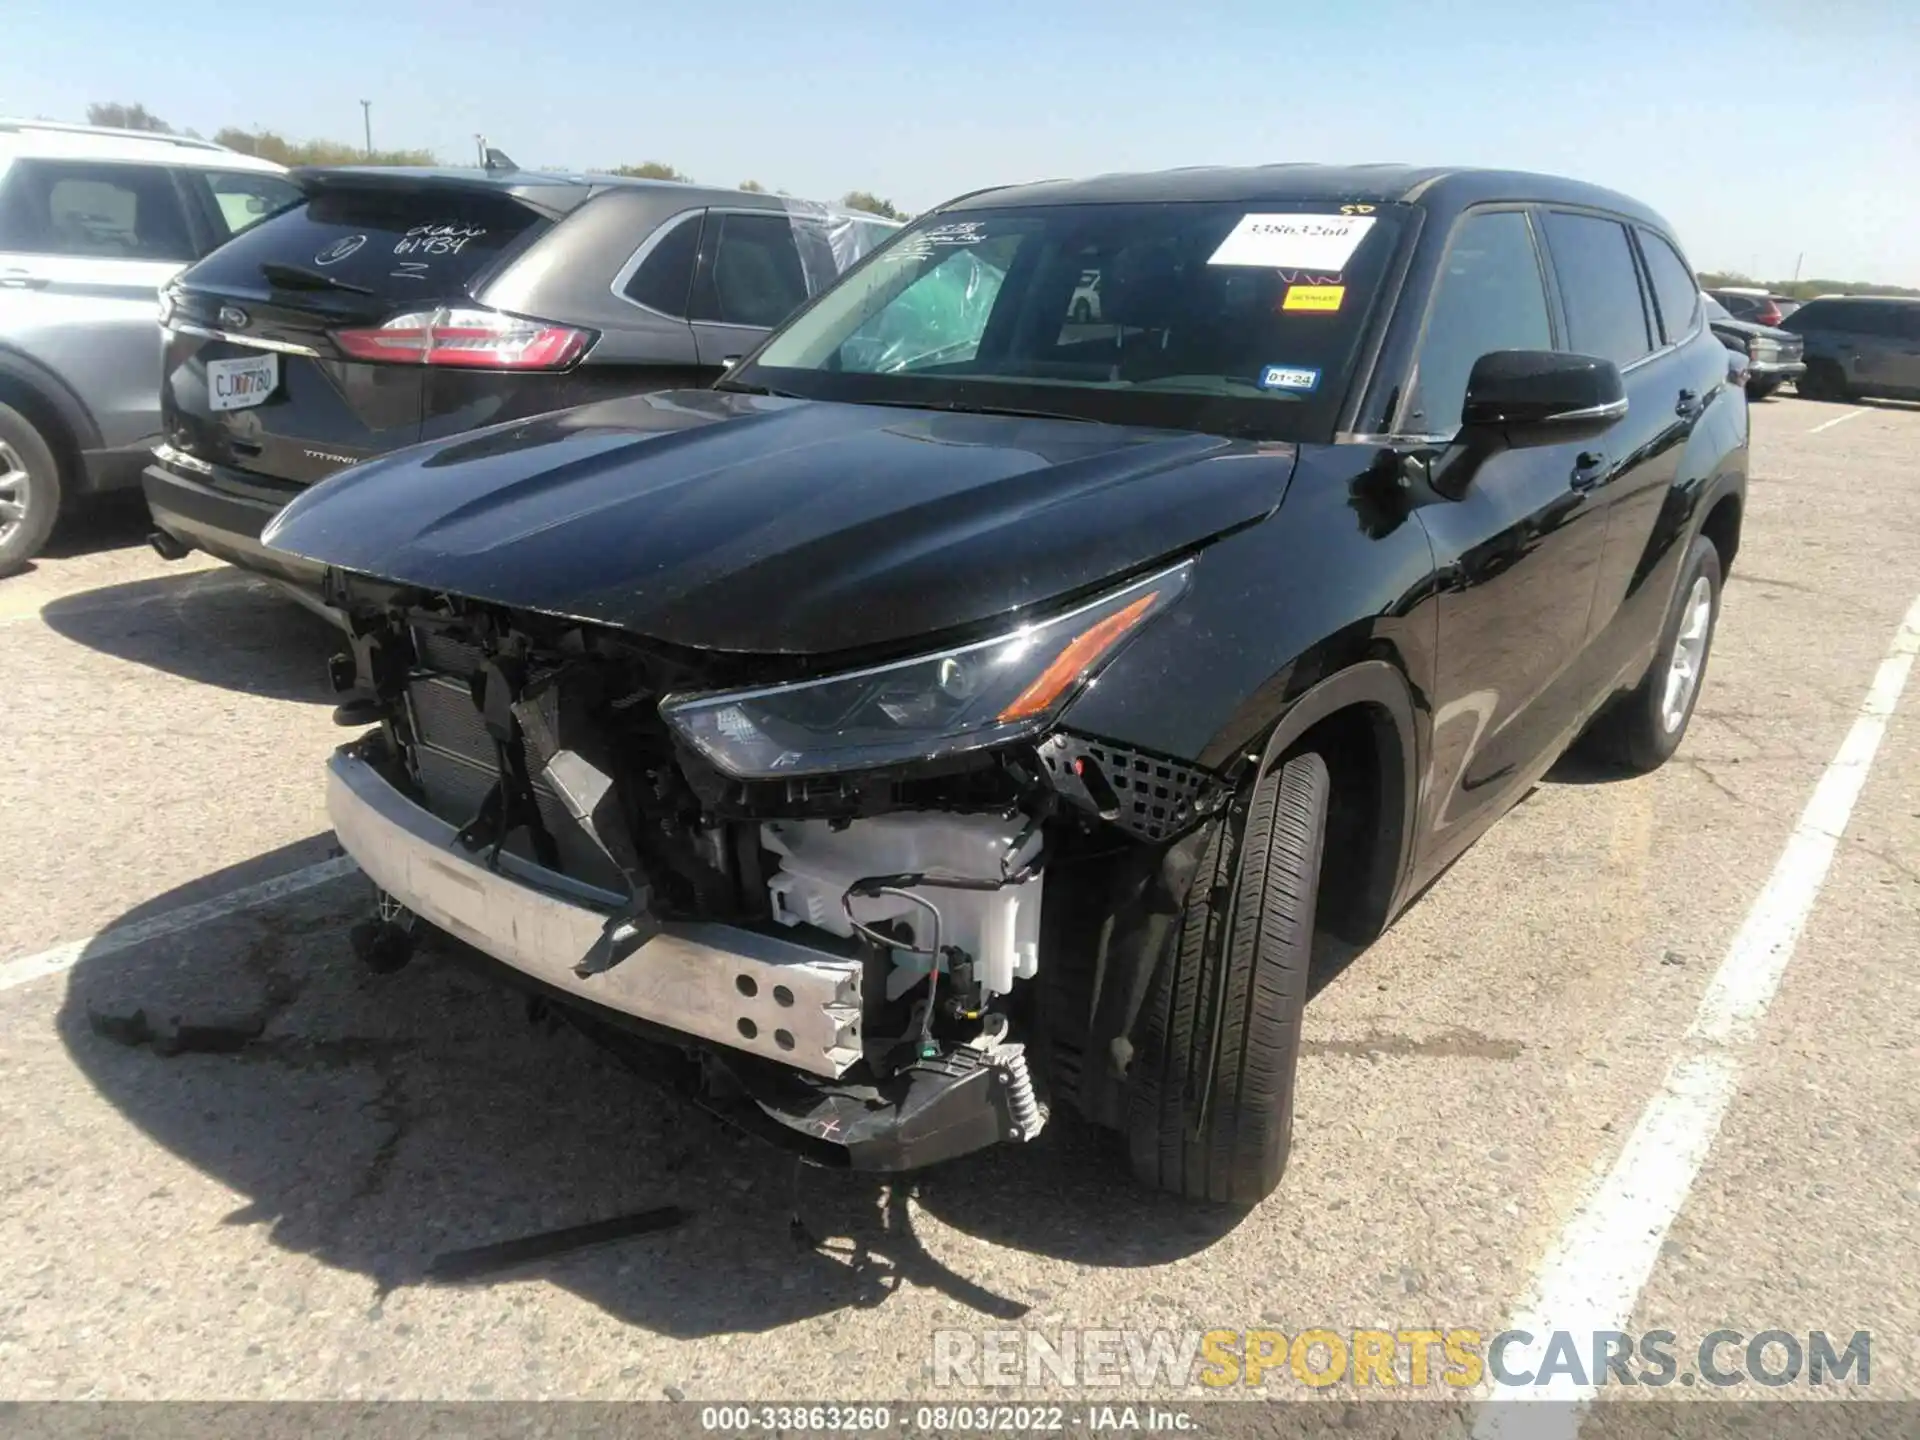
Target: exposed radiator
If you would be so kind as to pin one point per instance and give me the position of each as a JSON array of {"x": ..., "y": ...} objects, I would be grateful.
[{"x": 454, "y": 761}]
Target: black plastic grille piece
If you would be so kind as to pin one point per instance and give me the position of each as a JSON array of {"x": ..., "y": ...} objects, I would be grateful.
[
  {"x": 1149, "y": 795},
  {"x": 454, "y": 759}
]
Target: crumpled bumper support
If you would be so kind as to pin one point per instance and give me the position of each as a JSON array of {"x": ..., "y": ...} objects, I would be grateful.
[{"x": 738, "y": 988}]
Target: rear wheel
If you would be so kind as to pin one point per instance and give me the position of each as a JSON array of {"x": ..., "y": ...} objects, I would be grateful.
[
  {"x": 1761, "y": 389},
  {"x": 29, "y": 490},
  {"x": 1210, "y": 1111},
  {"x": 1646, "y": 726}
]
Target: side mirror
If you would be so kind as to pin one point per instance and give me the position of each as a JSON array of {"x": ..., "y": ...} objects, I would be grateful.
[{"x": 1519, "y": 398}]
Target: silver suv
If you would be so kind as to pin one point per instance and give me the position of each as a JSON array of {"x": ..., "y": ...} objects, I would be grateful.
[{"x": 92, "y": 222}]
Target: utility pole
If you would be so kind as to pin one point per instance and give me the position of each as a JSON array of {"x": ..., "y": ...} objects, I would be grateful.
[
  {"x": 366, "y": 117},
  {"x": 1796, "y": 264},
  {"x": 480, "y": 149}
]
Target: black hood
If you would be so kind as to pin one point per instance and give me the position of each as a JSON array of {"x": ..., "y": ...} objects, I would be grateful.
[{"x": 727, "y": 521}]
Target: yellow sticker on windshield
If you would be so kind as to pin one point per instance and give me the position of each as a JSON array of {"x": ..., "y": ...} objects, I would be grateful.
[{"x": 1314, "y": 297}]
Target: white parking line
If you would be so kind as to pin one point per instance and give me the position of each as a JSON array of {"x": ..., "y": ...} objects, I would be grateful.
[
  {"x": 1836, "y": 420},
  {"x": 64, "y": 957},
  {"x": 1591, "y": 1278}
]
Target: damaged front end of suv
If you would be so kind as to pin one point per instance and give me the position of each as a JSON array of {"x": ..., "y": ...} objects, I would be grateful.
[{"x": 868, "y": 908}]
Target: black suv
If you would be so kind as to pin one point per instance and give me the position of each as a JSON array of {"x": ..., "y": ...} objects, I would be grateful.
[
  {"x": 1859, "y": 346},
  {"x": 391, "y": 306},
  {"x": 968, "y": 707}
]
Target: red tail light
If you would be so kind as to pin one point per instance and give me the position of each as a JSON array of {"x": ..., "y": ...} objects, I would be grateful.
[
  {"x": 469, "y": 337},
  {"x": 1769, "y": 314}
]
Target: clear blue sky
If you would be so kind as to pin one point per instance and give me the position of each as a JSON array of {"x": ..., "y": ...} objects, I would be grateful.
[{"x": 1760, "y": 128}]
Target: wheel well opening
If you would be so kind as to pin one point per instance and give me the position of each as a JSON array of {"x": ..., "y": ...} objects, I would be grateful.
[
  {"x": 1722, "y": 527},
  {"x": 1366, "y": 813},
  {"x": 45, "y": 418}
]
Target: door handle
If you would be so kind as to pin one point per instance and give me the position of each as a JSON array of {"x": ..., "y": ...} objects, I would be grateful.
[
  {"x": 22, "y": 280},
  {"x": 1689, "y": 404},
  {"x": 1589, "y": 469}
]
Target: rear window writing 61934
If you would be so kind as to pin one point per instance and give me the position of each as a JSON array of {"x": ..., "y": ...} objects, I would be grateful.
[{"x": 423, "y": 244}]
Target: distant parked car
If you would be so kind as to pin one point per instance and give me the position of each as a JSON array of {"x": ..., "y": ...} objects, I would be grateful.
[
  {"x": 1756, "y": 305},
  {"x": 390, "y": 306},
  {"x": 1085, "y": 309},
  {"x": 92, "y": 222},
  {"x": 1860, "y": 346},
  {"x": 1773, "y": 355}
]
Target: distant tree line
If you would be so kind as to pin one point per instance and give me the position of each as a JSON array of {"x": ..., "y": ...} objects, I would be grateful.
[
  {"x": 1798, "y": 289},
  {"x": 264, "y": 143},
  {"x": 271, "y": 146}
]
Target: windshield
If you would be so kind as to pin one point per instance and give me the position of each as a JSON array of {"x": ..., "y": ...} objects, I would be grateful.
[{"x": 1238, "y": 319}]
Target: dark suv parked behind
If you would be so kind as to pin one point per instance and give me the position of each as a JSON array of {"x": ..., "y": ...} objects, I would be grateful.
[
  {"x": 394, "y": 306},
  {"x": 1860, "y": 346}
]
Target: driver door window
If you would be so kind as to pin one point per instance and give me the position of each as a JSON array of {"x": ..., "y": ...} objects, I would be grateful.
[{"x": 1490, "y": 296}]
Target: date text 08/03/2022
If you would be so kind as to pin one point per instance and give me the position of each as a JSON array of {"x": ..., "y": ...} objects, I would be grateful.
[{"x": 963, "y": 1418}]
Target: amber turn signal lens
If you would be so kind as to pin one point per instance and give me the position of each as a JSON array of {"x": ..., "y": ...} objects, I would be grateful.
[{"x": 1076, "y": 659}]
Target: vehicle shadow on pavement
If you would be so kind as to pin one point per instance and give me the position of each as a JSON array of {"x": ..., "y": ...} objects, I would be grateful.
[
  {"x": 376, "y": 1122},
  {"x": 217, "y": 627},
  {"x": 119, "y": 521}
]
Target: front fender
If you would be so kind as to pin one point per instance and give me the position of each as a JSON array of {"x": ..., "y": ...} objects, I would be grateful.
[{"x": 1338, "y": 576}]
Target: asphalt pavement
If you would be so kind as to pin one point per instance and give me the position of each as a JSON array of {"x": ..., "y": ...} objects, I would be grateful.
[{"x": 1644, "y": 1058}]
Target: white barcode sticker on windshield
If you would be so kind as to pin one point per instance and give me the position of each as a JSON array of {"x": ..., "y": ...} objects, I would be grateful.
[{"x": 1296, "y": 242}]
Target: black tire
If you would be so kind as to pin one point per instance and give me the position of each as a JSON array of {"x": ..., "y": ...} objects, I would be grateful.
[
  {"x": 1761, "y": 389},
  {"x": 1238, "y": 964},
  {"x": 1821, "y": 380},
  {"x": 24, "y": 451},
  {"x": 1634, "y": 733},
  {"x": 1082, "y": 312}
]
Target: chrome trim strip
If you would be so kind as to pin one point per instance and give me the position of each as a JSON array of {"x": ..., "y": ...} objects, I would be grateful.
[
  {"x": 1612, "y": 410},
  {"x": 717, "y": 982},
  {"x": 251, "y": 342},
  {"x": 180, "y": 460}
]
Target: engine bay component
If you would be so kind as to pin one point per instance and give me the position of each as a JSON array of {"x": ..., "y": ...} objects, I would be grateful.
[{"x": 997, "y": 929}]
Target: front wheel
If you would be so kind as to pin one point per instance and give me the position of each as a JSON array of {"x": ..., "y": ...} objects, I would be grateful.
[
  {"x": 1210, "y": 1108},
  {"x": 29, "y": 490},
  {"x": 1761, "y": 389},
  {"x": 1645, "y": 727}
]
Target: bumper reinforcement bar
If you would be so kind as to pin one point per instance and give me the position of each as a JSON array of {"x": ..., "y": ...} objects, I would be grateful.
[{"x": 751, "y": 992}]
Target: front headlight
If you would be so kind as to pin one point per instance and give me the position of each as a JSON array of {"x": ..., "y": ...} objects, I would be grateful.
[{"x": 959, "y": 699}]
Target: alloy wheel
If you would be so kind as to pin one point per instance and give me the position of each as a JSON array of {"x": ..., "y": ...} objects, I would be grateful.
[
  {"x": 15, "y": 489},
  {"x": 1689, "y": 655}
]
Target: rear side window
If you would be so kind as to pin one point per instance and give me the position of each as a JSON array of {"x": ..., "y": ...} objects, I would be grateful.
[
  {"x": 665, "y": 276},
  {"x": 754, "y": 277},
  {"x": 243, "y": 198},
  {"x": 1490, "y": 296},
  {"x": 1874, "y": 318},
  {"x": 1674, "y": 289},
  {"x": 1599, "y": 287},
  {"x": 418, "y": 244},
  {"x": 108, "y": 212},
  {"x": 1819, "y": 315}
]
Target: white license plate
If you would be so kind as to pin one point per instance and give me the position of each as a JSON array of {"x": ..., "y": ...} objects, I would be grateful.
[{"x": 236, "y": 384}]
